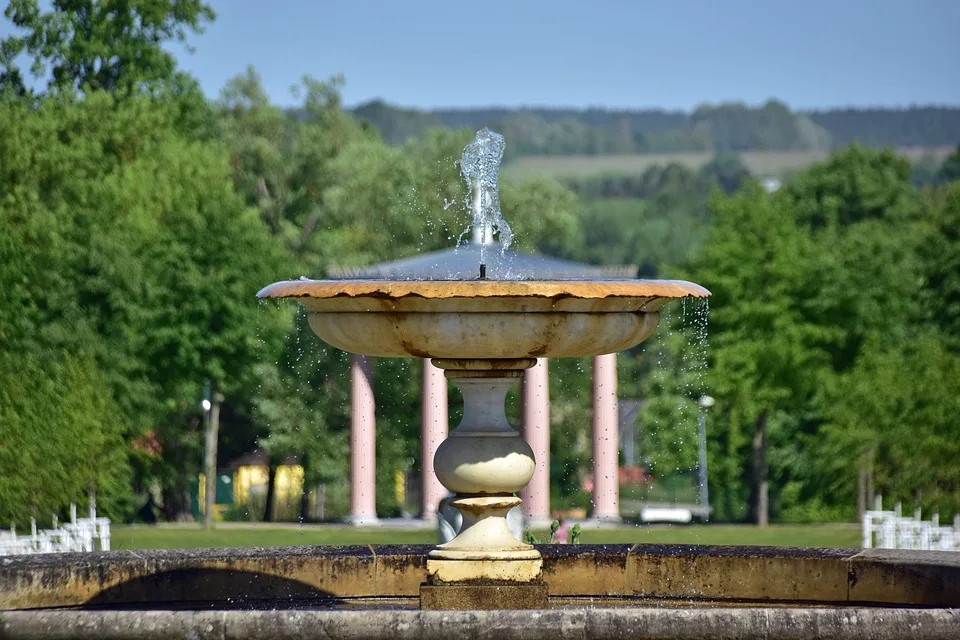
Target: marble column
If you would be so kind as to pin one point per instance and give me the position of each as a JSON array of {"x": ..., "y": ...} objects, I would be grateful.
[
  {"x": 433, "y": 431},
  {"x": 536, "y": 431},
  {"x": 605, "y": 446},
  {"x": 363, "y": 471}
]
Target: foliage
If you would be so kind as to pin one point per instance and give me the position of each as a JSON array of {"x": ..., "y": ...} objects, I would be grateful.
[
  {"x": 950, "y": 169},
  {"x": 147, "y": 258},
  {"x": 99, "y": 45},
  {"x": 727, "y": 171},
  {"x": 737, "y": 127},
  {"x": 897, "y": 410},
  {"x": 940, "y": 253},
  {"x": 137, "y": 221},
  {"x": 722, "y": 127},
  {"x": 57, "y": 418},
  {"x": 802, "y": 281}
]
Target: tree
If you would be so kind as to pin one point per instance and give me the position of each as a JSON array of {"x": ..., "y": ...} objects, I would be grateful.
[
  {"x": 767, "y": 357},
  {"x": 950, "y": 169},
  {"x": 544, "y": 216},
  {"x": 297, "y": 426},
  {"x": 941, "y": 256},
  {"x": 897, "y": 410},
  {"x": 58, "y": 417},
  {"x": 99, "y": 45},
  {"x": 727, "y": 171},
  {"x": 283, "y": 162},
  {"x": 149, "y": 261},
  {"x": 802, "y": 280}
]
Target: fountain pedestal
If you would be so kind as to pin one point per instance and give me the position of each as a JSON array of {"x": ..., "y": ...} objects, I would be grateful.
[{"x": 485, "y": 461}]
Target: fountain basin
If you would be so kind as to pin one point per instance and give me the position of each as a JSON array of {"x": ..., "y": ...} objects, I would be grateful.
[
  {"x": 595, "y": 591},
  {"x": 483, "y": 319}
]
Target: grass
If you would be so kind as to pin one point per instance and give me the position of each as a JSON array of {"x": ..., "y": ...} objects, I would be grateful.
[
  {"x": 192, "y": 536},
  {"x": 825, "y": 535},
  {"x": 760, "y": 163}
]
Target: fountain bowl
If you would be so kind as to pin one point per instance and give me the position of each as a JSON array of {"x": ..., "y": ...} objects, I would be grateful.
[{"x": 483, "y": 319}]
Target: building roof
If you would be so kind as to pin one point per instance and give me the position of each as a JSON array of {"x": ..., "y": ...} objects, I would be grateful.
[{"x": 463, "y": 263}]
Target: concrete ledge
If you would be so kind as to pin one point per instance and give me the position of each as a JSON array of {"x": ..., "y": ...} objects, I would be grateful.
[
  {"x": 641, "y": 622},
  {"x": 264, "y": 577}
]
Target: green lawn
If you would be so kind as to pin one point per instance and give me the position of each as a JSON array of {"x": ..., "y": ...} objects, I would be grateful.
[
  {"x": 188, "y": 537},
  {"x": 192, "y": 537},
  {"x": 760, "y": 163}
]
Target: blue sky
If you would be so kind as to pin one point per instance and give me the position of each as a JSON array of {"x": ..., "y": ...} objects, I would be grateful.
[{"x": 612, "y": 53}]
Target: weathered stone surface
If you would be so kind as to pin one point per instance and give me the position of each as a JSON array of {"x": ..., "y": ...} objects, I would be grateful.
[
  {"x": 475, "y": 597},
  {"x": 198, "y": 575},
  {"x": 640, "y": 622},
  {"x": 896, "y": 576},
  {"x": 738, "y": 573},
  {"x": 573, "y": 570},
  {"x": 400, "y": 569},
  {"x": 258, "y": 578}
]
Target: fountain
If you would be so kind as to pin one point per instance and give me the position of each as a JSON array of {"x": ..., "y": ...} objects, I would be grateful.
[{"x": 484, "y": 332}]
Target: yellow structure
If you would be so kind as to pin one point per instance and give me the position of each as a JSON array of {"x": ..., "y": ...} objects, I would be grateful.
[{"x": 250, "y": 488}]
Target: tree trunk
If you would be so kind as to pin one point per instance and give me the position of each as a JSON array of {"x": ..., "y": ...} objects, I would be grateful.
[
  {"x": 862, "y": 489},
  {"x": 210, "y": 455},
  {"x": 760, "y": 473},
  {"x": 176, "y": 503},
  {"x": 268, "y": 508},
  {"x": 304, "y": 490}
]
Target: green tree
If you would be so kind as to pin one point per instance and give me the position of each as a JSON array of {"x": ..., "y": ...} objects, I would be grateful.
[
  {"x": 766, "y": 353},
  {"x": 802, "y": 280},
  {"x": 727, "y": 171},
  {"x": 57, "y": 418},
  {"x": 99, "y": 45},
  {"x": 941, "y": 256},
  {"x": 148, "y": 260},
  {"x": 950, "y": 169},
  {"x": 544, "y": 216},
  {"x": 896, "y": 411}
]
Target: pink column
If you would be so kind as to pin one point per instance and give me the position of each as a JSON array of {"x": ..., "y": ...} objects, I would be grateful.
[
  {"x": 536, "y": 431},
  {"x": 433, "y": 431},
  {"x": 363, "y": 471},
  {"x": 605, "y": 447}
]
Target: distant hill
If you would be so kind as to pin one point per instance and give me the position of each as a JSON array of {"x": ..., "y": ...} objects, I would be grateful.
[{"x": 730, "y": 127}]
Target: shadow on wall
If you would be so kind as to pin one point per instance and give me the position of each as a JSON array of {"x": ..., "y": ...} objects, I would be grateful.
[{"x": 201, "y": 588}]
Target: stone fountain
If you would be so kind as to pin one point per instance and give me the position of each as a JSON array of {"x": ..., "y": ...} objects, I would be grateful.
[{"x": 484, "y": 333}]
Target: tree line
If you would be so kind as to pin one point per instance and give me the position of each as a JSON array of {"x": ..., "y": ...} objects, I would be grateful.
[
  {"x": 138, "y": 219},
  {"x": 728, "y": 127}
]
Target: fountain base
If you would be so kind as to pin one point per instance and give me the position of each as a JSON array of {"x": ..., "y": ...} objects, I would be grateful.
[
  {"x": 483, "y": 597},
  {"x": 596, "y": 591}
]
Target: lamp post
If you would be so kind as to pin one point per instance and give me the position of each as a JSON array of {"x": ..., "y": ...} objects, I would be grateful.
[
  {"x": 211, "y": 423},
  {"x": 705, "y": 402}
]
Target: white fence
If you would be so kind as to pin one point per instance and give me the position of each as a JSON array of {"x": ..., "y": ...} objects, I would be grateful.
[
  {"x": 890, "y": 530},
  {"x": 80, "y": 534}
]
